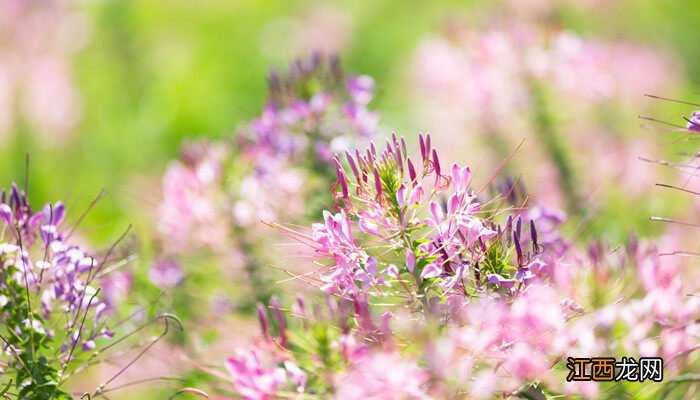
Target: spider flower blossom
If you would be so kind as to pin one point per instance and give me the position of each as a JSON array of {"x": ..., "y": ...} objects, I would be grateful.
[
  {"x": 253, "y": 381},
  {"x": 266, "y": 369},
  {"x": 556, "y": 59},
  {"x": 335, "y": 347},
  {"x": 256, "y": 198},
  {"x": 431, "y": 222},
  {"x": 662, "y": 319},
  {"x": 49, "y": 292},
  {"x": 493, "y": 346},
  {"x": 413, "y": 243},
  {"x": 193, "y": 212},
  {"x": 62, "y": 270},
  {"x": 313, "y": 108}
]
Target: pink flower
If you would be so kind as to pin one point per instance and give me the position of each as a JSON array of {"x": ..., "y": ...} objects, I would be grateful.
[
  {"x": 166, "y": 273},
  {"x": 382, "y": 375},
  {"x": 351, "y": 264},
  {"x": 446, "y": 239},
  {"x": 310, "y": 107},
  {"x": 251, "y": 379},
  {"x": 254, "y": 381},
  {"x": 493, "y": 80},
  {"x": 193, "y": 213},
  {"x": 335, "y": 234},
  {"x": 361, "y": 88}
]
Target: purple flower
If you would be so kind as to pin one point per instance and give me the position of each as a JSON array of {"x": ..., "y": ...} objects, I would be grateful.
[
  {"x": 310, "y": 107},
  {"x": 116, "y": 287},
  {"x": 497, "y": 279},
  {"x": 62, "y": 276},
  {"x": 6, "y": 214},
  {"x": 192, "y": 213},
  {"x": 694, "y": 122},
  {"x": 361, "y": 88}
]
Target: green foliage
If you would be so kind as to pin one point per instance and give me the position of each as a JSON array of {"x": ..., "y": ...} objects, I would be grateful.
[
  {"x": 496, "y": 260},
  {"x": 316, "y": 353}
]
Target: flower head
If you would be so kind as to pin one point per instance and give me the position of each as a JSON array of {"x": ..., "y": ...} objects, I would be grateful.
[
  {"x": 49, "y": 295},
  {"x": 693, "y": 123},
  {"x": 313, "y": 108},
  {"x": 253, "y": 380},
  {"x": 431, "y": 219}
]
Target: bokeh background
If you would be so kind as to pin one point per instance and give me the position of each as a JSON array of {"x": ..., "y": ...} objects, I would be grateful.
[{"x": 102, "y": 94}]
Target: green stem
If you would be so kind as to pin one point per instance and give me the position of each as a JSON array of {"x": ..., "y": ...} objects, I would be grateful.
[
  {"x": 547, "y": 131},
  {"x": 256, "y": 277}
]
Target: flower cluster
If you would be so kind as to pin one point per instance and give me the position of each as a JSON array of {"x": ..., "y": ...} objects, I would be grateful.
[
  {"x": 216, "y": 195},
  {"x": 194, "y": 208},
  {"x": 502, "y": 347},
  {"x": 429, "y": 218},
  {"x": 312, "y": 110},
  {"x": 253, "y": 380},
  {"x": 405, "y": 276},
  {"x": 49, "y": 305},
  {"x": 325, "y": 351},
  {"x": 459, "y": 295},
  {"x": 312, "y": 107}
]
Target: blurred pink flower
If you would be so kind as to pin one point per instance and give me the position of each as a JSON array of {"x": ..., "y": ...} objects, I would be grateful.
[
  {"x": 193, "y": 212},
  {"x": 258, "y": 194},
  {"x": 116, "y": 287},
  {"x": 36, "y": 86},
  {"x": 165, "y": 273},
  {"x": 251, "y": 379},
  {"x": 499, "y": 84},
  {"x": 382, "y": 375},
  {"x": 254, "y": 381}
]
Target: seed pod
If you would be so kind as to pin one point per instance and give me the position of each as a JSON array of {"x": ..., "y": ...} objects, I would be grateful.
[
  {"x": 411, "y": 171},
  {"x": 281, "y": 320},
  {"x": 533, "y": 235},
  {"x": 377, "y": 181},
  {"x": 436, "y": 163},
  {"x": 353, "y": 166},
  {"x": 509, "y": 229},
  {"x": 518, "y": 249},
  {"x": 264, "y": 322}
]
